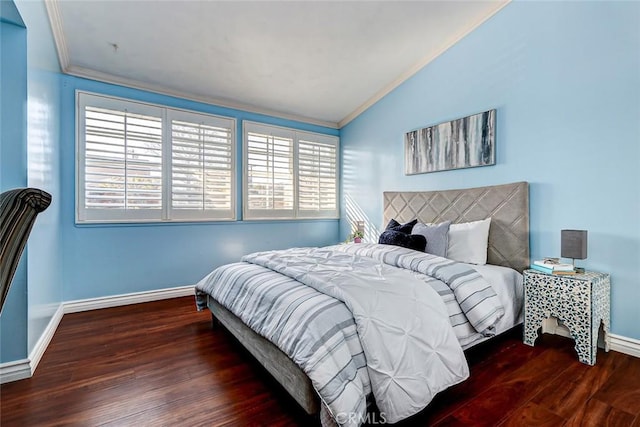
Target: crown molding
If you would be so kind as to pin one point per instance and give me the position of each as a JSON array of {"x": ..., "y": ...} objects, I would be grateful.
[
  {"x": 415, "y": 68},
  {"x": 55, "y": 20},
  {"x": 150, "y": 87}
]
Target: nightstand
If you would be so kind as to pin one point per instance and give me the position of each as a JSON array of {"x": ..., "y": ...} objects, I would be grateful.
[{"x": 580, "y": 301}]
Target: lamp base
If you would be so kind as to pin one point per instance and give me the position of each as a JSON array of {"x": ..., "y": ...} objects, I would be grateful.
[{"x": 576, "y": 269}]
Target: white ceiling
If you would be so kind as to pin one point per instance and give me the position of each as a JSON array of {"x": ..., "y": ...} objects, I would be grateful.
[{"x": 322, "y": 62}]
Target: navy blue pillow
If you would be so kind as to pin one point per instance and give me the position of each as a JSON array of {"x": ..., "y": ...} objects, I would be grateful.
[
  {"x": 404, "y": 228},
  {"x": 417, "y": 242}
]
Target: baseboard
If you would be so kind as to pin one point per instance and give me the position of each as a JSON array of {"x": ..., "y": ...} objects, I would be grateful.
[
  {"x": 625, "y": 345},
  {"x": 25, "y": 368},
  {"x": 617, "y": 343},
  {"x": 126, "y": 299},
  {"x": 21, "y": 369},
  {"x": 44, "y": 340},
  {"x": 14, "y": 371}
]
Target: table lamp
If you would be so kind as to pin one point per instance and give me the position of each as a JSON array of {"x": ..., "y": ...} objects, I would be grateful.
[{"x": 573, "y": 244}]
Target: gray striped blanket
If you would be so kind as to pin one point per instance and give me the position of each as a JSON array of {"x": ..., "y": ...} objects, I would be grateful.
[
  {"x": 319, "y": 333},
  {"x": 475, "y": 299},
  {"x": 316, "y": 331}
]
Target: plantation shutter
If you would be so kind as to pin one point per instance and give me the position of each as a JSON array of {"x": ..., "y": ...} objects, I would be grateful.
[
  {"x": 202, "y": 167},
  {"x": 121, "y": 154},
  {"x": 317, "y": 176},
  {"x": 139, "y": 162},
  {"x": 269, "y": 171},
  {"x": 289, "y": 174}
]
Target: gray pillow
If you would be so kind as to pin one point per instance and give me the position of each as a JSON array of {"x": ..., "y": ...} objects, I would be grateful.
[{"x": 437, "y": 236}]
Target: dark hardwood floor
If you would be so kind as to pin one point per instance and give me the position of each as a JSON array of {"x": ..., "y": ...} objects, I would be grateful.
[{"x": 162, "y": 364}]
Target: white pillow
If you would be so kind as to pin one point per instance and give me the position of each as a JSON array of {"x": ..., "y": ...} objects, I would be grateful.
[{"x": 468, "y": 241}]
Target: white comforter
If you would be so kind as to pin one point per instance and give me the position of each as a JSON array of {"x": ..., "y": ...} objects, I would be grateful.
[{"x": 411, "y": 350}]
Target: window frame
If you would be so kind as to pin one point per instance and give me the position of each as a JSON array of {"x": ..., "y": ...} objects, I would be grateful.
[
  {"x": 166, "y": 214},
  {"x": 296, "y": 135}
]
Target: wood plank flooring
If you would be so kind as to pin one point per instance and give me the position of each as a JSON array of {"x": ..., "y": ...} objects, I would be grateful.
[{"x": 161, "y": 364}]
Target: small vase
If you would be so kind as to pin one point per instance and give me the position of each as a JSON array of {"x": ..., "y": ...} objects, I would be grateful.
[{"x": 357, "y": 239}]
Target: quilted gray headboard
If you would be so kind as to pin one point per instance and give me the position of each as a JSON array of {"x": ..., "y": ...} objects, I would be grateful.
[{"x": 507, "y": 205}]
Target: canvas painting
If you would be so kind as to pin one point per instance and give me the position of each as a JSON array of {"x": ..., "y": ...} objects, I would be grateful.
[{"x": 458, "y": 144}]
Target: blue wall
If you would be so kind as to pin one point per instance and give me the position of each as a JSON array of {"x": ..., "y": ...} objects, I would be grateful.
[
  {"x": 565, "y": 79},
  {"x": 13, "y": 166},
  {"x": 102, "y": 260},
  {"x": 30, "y": 114},
  {"x": 9, "y": 13},
  {"x": 44, "y": 255}
]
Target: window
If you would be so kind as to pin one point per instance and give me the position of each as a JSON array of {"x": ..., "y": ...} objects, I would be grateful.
[
  {"x": 139, "y": 162},
  {"x": 289, "y": 174}
]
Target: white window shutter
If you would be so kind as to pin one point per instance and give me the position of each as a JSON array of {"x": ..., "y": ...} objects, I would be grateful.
[
  {"x": 121, "y": 164},
  {"x": 317, "y": 177},
  {"x": 202, "y": 167},
  {"x": 140, "y": 162},
  {"x": 269, "y": 172},
  {"x": 289, "y": 174}
]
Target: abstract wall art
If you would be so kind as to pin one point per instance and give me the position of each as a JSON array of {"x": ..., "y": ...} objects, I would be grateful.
[{"x": 458, "y": 144}]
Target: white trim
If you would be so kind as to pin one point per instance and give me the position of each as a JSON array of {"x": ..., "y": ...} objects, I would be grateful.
[
  {"x": 624, "y": 345},
  {"x": 43, "y": 342},
  {"x": 166, "y": 115},
  {"x": 88, "y": 73},
  {"x": 295, "y": 136},
  {"x": 126, "y": 299},
  {"x": 14, "y": 371},
  {"x": 617, "y": 343},
  {"x": 25, "y": 368},
  {"x": 414, "y": 69},
  {"x": 55, "y": 20}
]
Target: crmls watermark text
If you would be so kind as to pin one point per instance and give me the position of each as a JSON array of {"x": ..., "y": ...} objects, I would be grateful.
[{"x": 368, "y": 418}]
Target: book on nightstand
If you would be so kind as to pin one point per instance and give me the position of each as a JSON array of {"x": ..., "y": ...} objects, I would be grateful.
[
  {"x": 554, "y": 265},
  {"x": 551, "y": 266},
  {"x": 541, "y": 269}
]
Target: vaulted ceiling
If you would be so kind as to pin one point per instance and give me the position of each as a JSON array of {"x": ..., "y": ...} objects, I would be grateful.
[{"x": 321, "y": 62}]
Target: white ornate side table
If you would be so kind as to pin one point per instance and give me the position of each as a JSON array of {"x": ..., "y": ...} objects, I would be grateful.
[{"x": 580, "y": 301}]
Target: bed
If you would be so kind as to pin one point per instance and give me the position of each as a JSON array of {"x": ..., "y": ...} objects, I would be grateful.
[{"x": 507, "y": 254}]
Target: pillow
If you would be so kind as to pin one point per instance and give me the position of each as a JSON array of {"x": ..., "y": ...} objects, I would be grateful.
[
  {"x": 398, "y": 238},
  {"x": 468, "y": 241},
  {"x": 404, "y": 228},
  {"x": 437, "y": 236}
]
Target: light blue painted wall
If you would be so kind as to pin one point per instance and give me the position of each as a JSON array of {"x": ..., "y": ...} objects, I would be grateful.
[
  {"x": 565, "y": 79},
  {"x": 44, "y": 271},
  {"x": 13, "y": 167},
  {"x": 9, "y": 13},
  {"x": 102, "y": 260},
  {"x": 13, "y": 67}
]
